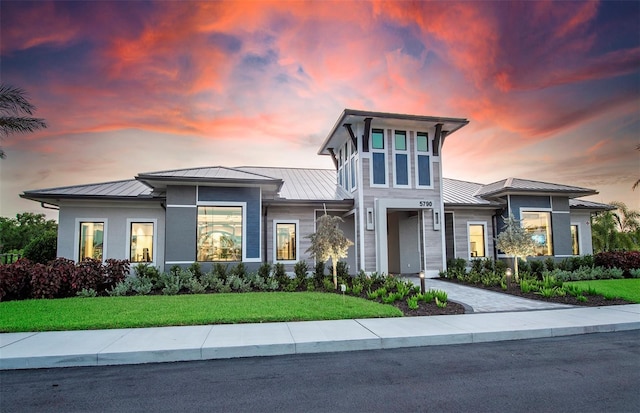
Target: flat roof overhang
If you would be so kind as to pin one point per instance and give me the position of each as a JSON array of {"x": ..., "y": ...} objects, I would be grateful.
[{"x": 350, "y": 116}]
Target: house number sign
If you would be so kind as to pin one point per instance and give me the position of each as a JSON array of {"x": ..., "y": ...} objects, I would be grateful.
[{"x": 425, "y": 204}]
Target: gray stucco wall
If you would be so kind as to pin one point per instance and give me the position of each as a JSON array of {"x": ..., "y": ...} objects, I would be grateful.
[
  {"x": 115, "y": 216},
  {"x": 181, "y": 224},
  {"x": 560, "y": 223}
]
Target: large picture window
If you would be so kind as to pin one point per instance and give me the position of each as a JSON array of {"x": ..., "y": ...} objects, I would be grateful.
[
  {"x": 141, "y": 242},
  {"x": 91, "y": 240},
  {"x": 477, "y": 247},
  {"x": 219, "y": 233},
  {"x": 538, "y": 224},
  {"x": 286, "y": 248}
]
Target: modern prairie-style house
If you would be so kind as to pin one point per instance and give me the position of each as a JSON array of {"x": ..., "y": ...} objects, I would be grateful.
[{"x": 401, "y": 213}]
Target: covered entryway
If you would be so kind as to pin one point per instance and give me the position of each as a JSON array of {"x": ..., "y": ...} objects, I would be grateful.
[
  {"x": 404, "y": 241},
  {"x": 408, "y": 236}
]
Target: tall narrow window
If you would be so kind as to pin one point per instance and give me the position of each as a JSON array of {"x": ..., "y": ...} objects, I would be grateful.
[
  {"x": 141, "y": 242},
  {"x": 91, "y": 240},
  {"x": 219, "y": 233},
  {"x": 286, "y": 241},
  {"x": 401, "y": 159},
  {"x": 575, "y": 243},
  {"x": 476, "y": 240},
  {"x": 423, "y": 160},
  {"x": 378, "y": 158},
  {"x": 538, "y": 224}
]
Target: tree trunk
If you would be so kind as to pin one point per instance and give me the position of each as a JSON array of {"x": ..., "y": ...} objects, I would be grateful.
[
  {"x": 515, "y": 266},
  {"x": 335, "y": 275}
]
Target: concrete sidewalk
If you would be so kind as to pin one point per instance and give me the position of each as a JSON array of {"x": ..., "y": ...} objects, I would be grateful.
[{"x": 166, "y": 344}]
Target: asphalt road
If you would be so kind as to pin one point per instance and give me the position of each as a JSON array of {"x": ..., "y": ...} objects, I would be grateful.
[{"x": 587, "y": 373}]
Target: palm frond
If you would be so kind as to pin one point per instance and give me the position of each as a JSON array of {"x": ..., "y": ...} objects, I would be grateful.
[
  {"x": 13, "y": 101},
  {"x": 12, "y": 124}
]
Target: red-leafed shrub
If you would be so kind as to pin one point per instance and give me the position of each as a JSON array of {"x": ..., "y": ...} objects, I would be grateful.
[
  {"x": 89, "y": 274},
  {"x": 625, "y": 260},
  {"x": 15, "y": 280},
  {"x": 115, "y": 271},
  {"x": 45, "y": 283},
  {"x": 64, "y": 270}
]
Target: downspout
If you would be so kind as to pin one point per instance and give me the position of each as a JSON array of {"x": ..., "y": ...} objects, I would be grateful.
[
  {"x": 264, "y": 233},
  {"x": 54, "y": 207}
]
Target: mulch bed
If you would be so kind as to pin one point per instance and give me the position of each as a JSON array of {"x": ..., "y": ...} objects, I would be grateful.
[
  {"x": 514, "y": 289},
  {"x": 455, "y": 308},
  {"x": 429, "y": 309}
]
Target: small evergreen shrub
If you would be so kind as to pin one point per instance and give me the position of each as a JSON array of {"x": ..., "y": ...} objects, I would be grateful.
[
  {"x": 43, "y": 248},
  {"x": 87, "y": 293}
]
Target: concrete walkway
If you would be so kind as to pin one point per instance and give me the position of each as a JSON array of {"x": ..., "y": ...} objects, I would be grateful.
[
  {"x": 496, "y": 317},
  {"x": 484, "y": 301}
]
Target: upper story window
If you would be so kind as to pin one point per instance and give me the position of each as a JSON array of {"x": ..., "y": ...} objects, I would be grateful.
[
  {"x": 401, "y": 159},
  {"x": 353, "y": 168},
  {"x": 378, "y": 158},
  {"x": 219, "y": 233},
  {"x": 423, "y": 161},
  {"x": 141, "y": 242},
  {"x": 91, "y": 240},
  {"x": 538, "y": 224}
]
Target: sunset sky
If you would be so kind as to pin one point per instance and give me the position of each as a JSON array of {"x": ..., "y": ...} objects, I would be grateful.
[{"x": 551, "y": 89}]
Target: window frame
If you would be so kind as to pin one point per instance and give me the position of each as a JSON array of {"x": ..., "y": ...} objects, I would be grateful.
[
  {"x": 578, "y": 240},
  {"x": 416, "y": 156},
  {"x": 402, "y": 152},
  {"x": 76, "y": 237},
  {"x": 549, "y": 211},
  {"x": 383, "y": 152},
  {"x": 485, "y": 239},
  {"x": 243, "y": 206},
  {"x": 154, "y": 252},
  {"x": 296, "y": 224}
]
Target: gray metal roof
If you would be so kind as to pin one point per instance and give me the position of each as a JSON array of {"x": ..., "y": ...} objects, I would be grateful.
[
  {"x": 310, "y": 185},
  {"x": 524, "y": 185},
  {"x": 304, "y": 184},
  {"x": 456, "y": 192},
  {"x": 115, "y": 189},
  {"x": 584, "y": 204},
  {"x": 212, "y": 172}
]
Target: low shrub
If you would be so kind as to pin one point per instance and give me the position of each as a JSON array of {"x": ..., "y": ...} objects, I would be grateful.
[
  {"x": 625, "y": 260},
  {"x": 15, "y": 280}
]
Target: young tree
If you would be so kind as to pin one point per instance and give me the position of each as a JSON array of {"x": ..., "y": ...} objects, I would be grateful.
[
  {"x": 329, "y": 242},
  {"x": 13, "y": 108},
  {"x": 515, "y": 241}
]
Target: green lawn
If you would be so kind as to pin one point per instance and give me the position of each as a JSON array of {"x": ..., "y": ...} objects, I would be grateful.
[
  {"x": 176, "y": 310},
  {"x": 628, "y": 288}
]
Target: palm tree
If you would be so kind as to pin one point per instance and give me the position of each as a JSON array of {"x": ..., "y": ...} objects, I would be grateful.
[
  {"x": 13, "y": 108},
  {"x": 616, "y": 230}
]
